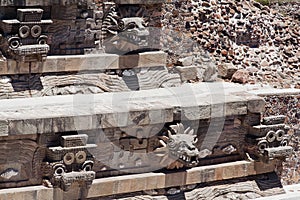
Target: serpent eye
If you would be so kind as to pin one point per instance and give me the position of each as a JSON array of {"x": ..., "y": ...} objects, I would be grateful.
[
  {"x": 195, "y": 140},
  {"x": 131, "y": 25},
  {"x": 171, "y": 143}
]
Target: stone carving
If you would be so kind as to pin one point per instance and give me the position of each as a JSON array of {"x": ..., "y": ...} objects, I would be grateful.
[
  {"x": 65, "y": 181},
  {"x": 172, "y": 147},
  {"x": 23, "y": 38},
  {"x": 71, "y": 162},
  {"x": 229, "y": 149},
  {"x": 180, "y": 146},
  {"x": 135, "y": 29},
  {"x": 76, "y": 28},
  {"x": 110, "y": 22},
  {"x": 269, "y": 141},
  {"x": 123, "y": 34},
  {"x": 9, "y": 173},
  {"x": 274, "y": 145}
]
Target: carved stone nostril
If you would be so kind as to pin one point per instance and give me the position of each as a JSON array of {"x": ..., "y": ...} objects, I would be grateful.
[{"x": 192, "y": 148}]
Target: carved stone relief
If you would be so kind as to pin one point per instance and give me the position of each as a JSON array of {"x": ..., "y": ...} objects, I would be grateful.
[
  {"x": 69, "y": 163},
  {"x": 79, "y": 27},
  {"x": 274, "y": 145},
  {"x": 18, "y": 161},
  {"x": 122, "y": 35},
  {"x": 76, "y": 28},
  {"x": 24, "y": 38},
  {"x": 269, "y": 140},
  {"x": 179, "y": 145}
]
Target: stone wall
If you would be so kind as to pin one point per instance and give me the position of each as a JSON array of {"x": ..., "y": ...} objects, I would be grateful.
[
  {"x": 252, "y": 37},
  {"x": 290, "y": 8}
]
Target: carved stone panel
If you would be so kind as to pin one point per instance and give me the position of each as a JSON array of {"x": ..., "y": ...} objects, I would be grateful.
[
  {"x": 19, "y": 163},
  {"x": 269, "y": 140},
  {"x": 25, "y": 38},
  {"x": 69, "y": 163}
]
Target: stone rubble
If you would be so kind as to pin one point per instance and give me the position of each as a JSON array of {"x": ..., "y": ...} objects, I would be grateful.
[
  {"x": 288, "y": 8},
  {"x": 242, "y": 33}
]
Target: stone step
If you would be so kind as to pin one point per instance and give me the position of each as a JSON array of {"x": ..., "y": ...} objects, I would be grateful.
[
  {"x": 89, "y": 62},
  {"x": 147, "y": 181},
  {"x": 122, "y": 109},
  {"x": 46, "y": 3},
  {"x": 140, "y": 1}
]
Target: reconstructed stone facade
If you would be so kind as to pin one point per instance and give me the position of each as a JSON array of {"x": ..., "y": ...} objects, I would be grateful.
[{"x": 87, "y": 96}]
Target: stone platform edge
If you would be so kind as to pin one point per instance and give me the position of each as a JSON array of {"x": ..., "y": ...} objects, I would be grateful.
[
  {"x": 57, "y": 2},
  {"x": 89, "y": 62},
  {"x": 122, "y": 109},
  {"x": 147, "y": 181}
]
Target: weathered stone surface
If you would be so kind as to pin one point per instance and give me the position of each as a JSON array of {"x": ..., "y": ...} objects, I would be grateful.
[
  {"x": 187, "y": 73},
  {"x": 203, "y": 174},
  {"x": 148, "y": 181},
  {"x": 147, "y": 59},
  {"x": 4, "y": 128},
  {"x": 279, "y": 152},
  {"x": 155, "y": 107},
  {"x": 269, "y": 92},
  {"x": 226, "y": 70},
  {"x": 279, "y": 119},
  {"x": 139, "y": 1},
  {"x": 187, "y": 61},
  {"x": 228, "y": 30},
  {"x": 3, "y": 66},
  {"x": 285, "y": 104},
  {"x": 262, "y": 130},
  {"x": 88, "y": 62},
  {"x": 240, "y": 76},
  {"x": 120, "y": 109},
  {"x": 255, "y": 104},
  {"x": 290, "y": 8},
  {"x": 34, "y": 192},
  {"x": 17, "y": 165}
]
